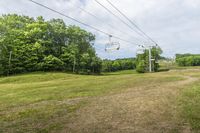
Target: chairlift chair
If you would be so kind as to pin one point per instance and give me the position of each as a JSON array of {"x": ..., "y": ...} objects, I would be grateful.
[
  {"x": 140, "y": 51},
  {"x": 111, "y": 46}
]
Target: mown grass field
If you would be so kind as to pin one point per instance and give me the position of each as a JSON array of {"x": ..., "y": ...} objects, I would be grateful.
[
  {"x": 61, "y": 102},
  {"x": 190, "y": 103}
]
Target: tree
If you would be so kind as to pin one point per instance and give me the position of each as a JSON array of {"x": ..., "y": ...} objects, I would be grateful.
[
  {"x": 115, "y": 66},
  {"x": 38, "y": 45},
  {"x": 118, "y": 64},
  {"x": 51, "y": 63},
  {"x": 141, "y": 67},
  {"x": 188, "y": 59},
  {"x": 142, "y": 61}
]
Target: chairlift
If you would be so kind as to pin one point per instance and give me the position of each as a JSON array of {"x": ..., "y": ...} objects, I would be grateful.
[
  {"x": 111, "y": 46},
  {"x": 140, "y": 50}
]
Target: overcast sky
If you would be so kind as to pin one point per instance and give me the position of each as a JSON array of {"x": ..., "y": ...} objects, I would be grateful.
[{"x": 173, "y": 24}]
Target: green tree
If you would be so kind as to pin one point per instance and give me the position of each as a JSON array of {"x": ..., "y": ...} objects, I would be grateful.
[
  {"x": 142, "y": 61},
  {"x": 188, "y": 59},
  {"x": 141, "y": 67},
  {"x": 51, "y": 63},
  {"x": 36, "y": 44},
  {"x": 118, "y": 64},
  {"x": 115, "y": 66}
]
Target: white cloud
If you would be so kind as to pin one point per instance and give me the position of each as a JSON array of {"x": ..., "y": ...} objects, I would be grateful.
[{"x": 174, "y": 24}]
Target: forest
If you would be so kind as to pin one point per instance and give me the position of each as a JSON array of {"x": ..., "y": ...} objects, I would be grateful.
[{"x": 29, "y": 44}]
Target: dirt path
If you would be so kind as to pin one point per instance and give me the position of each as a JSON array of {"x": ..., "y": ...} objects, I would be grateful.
[{"x": 148, "y": 109}]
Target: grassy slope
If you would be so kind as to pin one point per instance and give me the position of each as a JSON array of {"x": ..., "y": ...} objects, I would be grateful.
[
  {"x": 190, "y": 104},
  {"x": 190, "y": 100},
  {"x": 41, "y": 102}
]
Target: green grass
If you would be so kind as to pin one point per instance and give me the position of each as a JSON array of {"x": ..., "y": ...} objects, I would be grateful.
[
  {"x": 121, "y": 72},
  {"x": 190, "y": 104},
  {"x": 186, "y": 67},
  {"x": 43, "y": 102}
]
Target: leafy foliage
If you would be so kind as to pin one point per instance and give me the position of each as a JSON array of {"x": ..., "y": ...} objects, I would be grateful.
[
  {"x": 142, "y": 61},
  {"x": 188, "y": 59},
  {"x": 119, "y": 64},
  {"x": 28, "y": 44},
  {"x": 140, "y": 67}
]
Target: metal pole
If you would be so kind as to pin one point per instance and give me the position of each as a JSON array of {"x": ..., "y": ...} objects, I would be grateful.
[
  {"x": 150, "y": 70},
  {"x": 74, "y": 65},
  {"x": 9, "y": 62}
]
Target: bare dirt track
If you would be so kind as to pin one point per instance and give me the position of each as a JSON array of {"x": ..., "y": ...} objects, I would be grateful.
[{"x": 149, "y": 108}]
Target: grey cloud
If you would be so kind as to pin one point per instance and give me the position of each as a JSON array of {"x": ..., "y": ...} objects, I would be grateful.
[{"x": 174, "y": 24}]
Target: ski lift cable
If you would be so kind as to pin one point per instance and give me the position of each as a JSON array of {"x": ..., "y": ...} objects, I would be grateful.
[
  {"x": 108, "y": 10},
  {"x": 131, "y": 22},
  {"x": 80, "y": 22},
  {"x": 91, "y": 14}
]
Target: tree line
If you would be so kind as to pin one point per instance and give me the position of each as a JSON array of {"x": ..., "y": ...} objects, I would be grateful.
[
  {"x": 28, "y": 45},
  {"x": 118, "y": 64},
  {"x": 33, "y": 44},
  {"x": 188, "y": 59}
]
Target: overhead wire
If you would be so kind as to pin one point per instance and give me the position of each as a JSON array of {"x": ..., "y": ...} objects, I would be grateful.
[
  {"x": 135, "y": 25},
  {"x": 80, "y": 22},
  {"x": 108, "y": 10},
  {"x": 91, "y": 14}
]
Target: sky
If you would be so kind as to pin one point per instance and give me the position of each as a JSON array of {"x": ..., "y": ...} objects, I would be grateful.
[{"x": 173, "y": 24}]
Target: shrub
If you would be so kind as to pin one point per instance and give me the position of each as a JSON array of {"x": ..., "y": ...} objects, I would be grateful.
[
  {"x": 52, "y": 63},
  {"x": 141, "y": 67}
]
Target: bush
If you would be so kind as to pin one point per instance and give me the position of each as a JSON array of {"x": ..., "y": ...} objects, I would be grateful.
[
  {"x": 115, "y": 66},
  {"x": 118, "y": 64},
  {"x": 52, "y": 63},
  {"x": 141, "y": 67},
  {"x": 188, "y": 60}
]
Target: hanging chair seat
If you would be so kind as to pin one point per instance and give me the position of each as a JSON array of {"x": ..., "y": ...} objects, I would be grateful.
[{"x": 112, "y": 46}]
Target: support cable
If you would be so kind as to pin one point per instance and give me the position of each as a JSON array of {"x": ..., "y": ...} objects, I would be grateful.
[{"x": 80, "y": 22}]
